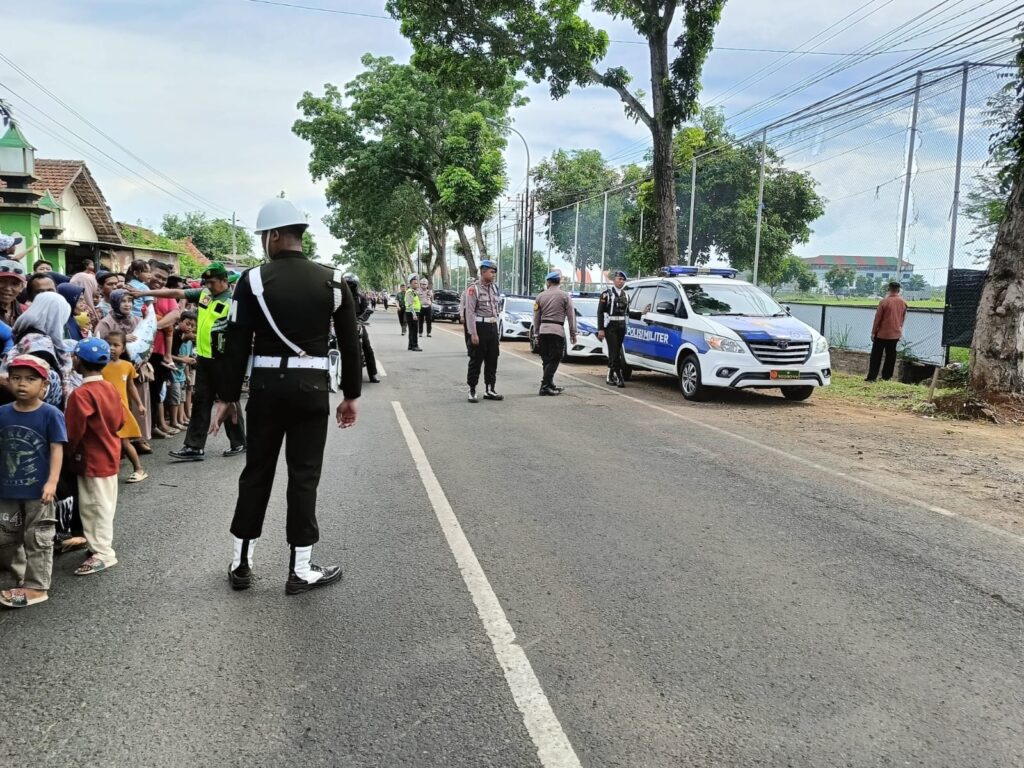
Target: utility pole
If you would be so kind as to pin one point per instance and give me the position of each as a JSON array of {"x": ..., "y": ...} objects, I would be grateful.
[
  {"x": 234, "y": 241},
  {"x": 959, "y": 167},
  {"x": 693, "y": 201},
  {"x": 760, "y": 205},
  {"x": 910, "y": 177}
]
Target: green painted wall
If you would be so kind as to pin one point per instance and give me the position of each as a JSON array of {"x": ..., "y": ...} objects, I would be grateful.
[{"x": 25, "y": 224}]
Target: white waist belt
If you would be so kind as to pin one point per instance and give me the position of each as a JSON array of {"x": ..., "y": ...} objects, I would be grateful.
[
  {"x": 616, "y": 317},
  {"x": 313, "y": 363},
  {"x": 487, "y": 319}
]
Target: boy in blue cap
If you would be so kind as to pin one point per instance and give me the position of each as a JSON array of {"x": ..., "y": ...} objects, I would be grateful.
[{"x": 94, "y": 415}]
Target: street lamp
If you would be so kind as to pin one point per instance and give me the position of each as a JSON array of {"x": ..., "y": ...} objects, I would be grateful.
[{"x": 527, "y": 258}]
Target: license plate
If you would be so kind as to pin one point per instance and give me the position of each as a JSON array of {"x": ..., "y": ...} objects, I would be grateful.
[{"x": 785, "y": 374}]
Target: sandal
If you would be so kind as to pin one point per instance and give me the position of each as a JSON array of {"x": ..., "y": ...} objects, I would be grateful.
[
  {"x": 171, "y": 431},
  {"x": 143, "y": 447},
  {"x": 137, "y": 476},
  {"x": 92, "y": 565},
  {"x": 73, "y": 543},
  {"x": 18, "y": 598}
]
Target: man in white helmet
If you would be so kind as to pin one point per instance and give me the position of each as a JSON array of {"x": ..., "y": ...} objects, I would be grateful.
[{"x": 281, "y": 314}]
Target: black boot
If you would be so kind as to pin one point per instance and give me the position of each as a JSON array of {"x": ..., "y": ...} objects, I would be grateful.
[
  {"x": 472, "y": 396},
  {"x": 304, "y": 576},
  {"x": 548, "y": 391},
  {"x": 620, "y": 382},
  {"x": 490, "y": 394},
  {"x": 240, "y": 575}
]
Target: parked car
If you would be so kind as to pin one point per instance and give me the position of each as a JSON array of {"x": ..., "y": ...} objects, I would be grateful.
[
  {"x": 516, "y": 317},
  {"x": 446, "y": 306}
]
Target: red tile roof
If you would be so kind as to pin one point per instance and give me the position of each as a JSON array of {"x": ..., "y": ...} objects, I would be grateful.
[{"x": 194, "y": 252}]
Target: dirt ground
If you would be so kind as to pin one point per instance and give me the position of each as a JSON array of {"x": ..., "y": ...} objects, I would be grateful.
[{"x": 973, "y": 468}]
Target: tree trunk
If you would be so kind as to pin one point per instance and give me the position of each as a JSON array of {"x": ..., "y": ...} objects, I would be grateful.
[
  {"x": 481, "y": 243},
  {"x": 997, "y": 352},
  {"x": 467, "y": 252},
  {"x": 661, "y": 135},
  {"x": 438, "y": 237}
]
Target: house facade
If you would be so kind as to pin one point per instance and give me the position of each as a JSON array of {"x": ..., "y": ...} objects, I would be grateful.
[{"x": 872, "y": 267}]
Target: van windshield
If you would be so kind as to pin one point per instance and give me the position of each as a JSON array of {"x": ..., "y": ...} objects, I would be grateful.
[{"x": 731, "y": 299}]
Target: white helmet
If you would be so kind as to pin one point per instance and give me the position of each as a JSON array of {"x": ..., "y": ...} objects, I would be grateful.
[
  {"x": 278, "y": 213},
  {"x": 413, "y": 277}
]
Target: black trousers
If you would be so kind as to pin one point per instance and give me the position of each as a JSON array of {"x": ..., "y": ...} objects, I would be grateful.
[
  {"x": 297, "y": 417},
  {"x": 427, "y": 319},
  {"x": 484, "y": 354},
  {"x": 411, "y": 325},
  {"x": 368, "y": 357},
  {"x": 401, "y": 317},
  {"x": 202, "y": 407},
  {"x": 552, "y": 346},
  {"x": 880, "y": 346},
  {"x": 614, "y": 335}
]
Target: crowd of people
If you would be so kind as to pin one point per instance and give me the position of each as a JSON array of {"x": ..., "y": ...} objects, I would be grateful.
[{"x": 94, "y": 368}]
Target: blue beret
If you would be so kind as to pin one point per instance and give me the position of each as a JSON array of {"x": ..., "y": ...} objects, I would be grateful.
[
  {"x": 555, "y": 277},
  {"x": 488, "y": 264}
]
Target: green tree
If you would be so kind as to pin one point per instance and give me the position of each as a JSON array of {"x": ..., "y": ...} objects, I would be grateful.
[
  {"x": 784, "y": 271},
  {"x": 916, "y": 283},
  {"x": 484, "y": 40},
  {"x": 308, "y": 245},
  {"x": 839, "y": 278},
  {"x": 396, "y": 131},
  {"x": 806, "y": 280},
  {"x": 211, "y": 236}
]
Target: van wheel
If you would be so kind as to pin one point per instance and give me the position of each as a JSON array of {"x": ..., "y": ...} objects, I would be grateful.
[
  {"x": 797, "y": 393},
  {"x": 689, "y": 379},
  {"x": 627, "y": 373}
]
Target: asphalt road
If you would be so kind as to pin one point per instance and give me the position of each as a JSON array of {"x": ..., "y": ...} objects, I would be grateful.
[{"x": 681, "y": 593}]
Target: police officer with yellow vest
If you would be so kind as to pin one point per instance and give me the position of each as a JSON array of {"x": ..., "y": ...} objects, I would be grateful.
[
  {"x": 214, "y": 304},
  {"x": 413, "y": 307},
  {"x": 281, "y": 315}
]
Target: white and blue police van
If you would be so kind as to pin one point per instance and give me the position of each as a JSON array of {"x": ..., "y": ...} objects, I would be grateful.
[{"x": 709, "y": 329}]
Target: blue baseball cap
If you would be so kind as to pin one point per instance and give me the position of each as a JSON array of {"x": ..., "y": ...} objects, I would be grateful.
[
  {"x": 554, "y": 277},
  {"x": 93, "y": 351},
  {"x": 488, "y": 264}
]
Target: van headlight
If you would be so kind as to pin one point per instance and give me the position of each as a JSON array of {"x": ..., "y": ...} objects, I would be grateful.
[
  {"x": 723, "y": 344},
  {"x": 821, "y": 345},
  {"x": 585, "y": 333}
]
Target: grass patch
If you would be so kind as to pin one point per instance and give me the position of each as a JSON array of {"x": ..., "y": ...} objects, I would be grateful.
[
  {"x": 959, "y": 355},
  {"x": 857, "y": 301},
  {"x": 889, "y": 395}
]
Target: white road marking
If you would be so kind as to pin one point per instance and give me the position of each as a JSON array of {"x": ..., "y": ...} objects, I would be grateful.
[
  {"x": 380, "y": 368},
  {"x": 893, "y": 494},
  {"x": 553, "y": 747}
]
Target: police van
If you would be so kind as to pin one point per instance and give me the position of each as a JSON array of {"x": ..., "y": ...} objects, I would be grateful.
[{"x": 710, "y": 329}]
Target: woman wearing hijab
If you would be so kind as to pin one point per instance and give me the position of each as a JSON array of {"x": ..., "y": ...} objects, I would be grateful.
[
  {"x": 122, "y": 319},
  {"x": 40, "y": 331},
  {"x": 73, "y": 295}
]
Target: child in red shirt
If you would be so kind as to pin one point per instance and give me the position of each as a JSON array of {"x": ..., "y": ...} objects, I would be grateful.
[{"x": 94, "y": 415}]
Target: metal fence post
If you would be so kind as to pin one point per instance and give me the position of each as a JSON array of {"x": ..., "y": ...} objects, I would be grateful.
[
  {"x": 760, "y": 205},
  {"x": 604, "y": 238},
  {"x": 693, "y": 199},
  {"x": 910, "y": 176},
  {"x": 576, "y": 243},
  {"x": 549, "y": 242},
  {"x": 641, "y": 237},
  {"x": 959, "y": 167}
]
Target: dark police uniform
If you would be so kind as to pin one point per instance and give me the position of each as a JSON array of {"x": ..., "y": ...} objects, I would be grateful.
[
  {"x": 550, "y": 311},
  {"x": 612, "y": 310},
  {"x": 288, "y": 393},
  {"x": 362, "y": 305}
]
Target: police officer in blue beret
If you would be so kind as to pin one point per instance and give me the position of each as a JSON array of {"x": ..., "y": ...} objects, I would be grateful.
[
  {"x": 481, "y": 318},
  {"x": 550, "y": 312}
]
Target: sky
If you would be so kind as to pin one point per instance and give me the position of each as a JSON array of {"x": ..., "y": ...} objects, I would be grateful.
[{"x": 205, "y": 92}]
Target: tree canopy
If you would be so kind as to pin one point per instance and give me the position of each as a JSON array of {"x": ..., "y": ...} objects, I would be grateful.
[
  {"x": 483, "y": 41},
  {"x": 211, "y": 236},
  {"x": 402, "y": 149}
]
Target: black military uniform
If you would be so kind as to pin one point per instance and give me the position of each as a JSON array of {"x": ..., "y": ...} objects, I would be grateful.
[
  {"x": 612, "y": 310},
  {"x": 363, "y": 312},
  {"x": 288, "y": 396}
]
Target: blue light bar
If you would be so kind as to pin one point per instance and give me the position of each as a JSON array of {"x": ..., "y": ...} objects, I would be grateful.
[{"x": 687, "y": 271}]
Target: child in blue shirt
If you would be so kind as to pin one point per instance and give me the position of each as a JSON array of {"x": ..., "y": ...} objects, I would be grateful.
[
  {"x": 137, "y": 276},
  {"x": 32, "y": 437}
]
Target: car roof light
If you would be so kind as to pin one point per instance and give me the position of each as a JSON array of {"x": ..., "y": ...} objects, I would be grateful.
[{"x": 688, "y": 271}]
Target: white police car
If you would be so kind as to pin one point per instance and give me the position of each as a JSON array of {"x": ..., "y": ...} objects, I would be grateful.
[
  {"x": 711, "y": 330},
  {"x": 516, "y": 317}
]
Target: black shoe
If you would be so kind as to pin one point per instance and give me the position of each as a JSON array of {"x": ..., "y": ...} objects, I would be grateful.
[
  {"x": 490, "y": 394},
  {"x": 403, "y": 333},
  {"x": 374, "y": 380},
  {"x": 621, "y": 383},
  {"x": 415, "y": 349},
  {"x": 236, "y": 450},
  {"x": 472, "y": 396},
  {"x": 558, "y": 389},
  {"x": 241, "y": 577},
  {"x": 296, "y": 586},
  {"x": 548, "y": 391},
  {"x": 188, "y": 454},
  {"x": 610, "y": 380}
]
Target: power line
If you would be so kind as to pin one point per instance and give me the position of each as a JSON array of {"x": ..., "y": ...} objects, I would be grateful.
[
  {"x": 322, "y": 10},
  {"x": 113, "y": 141}
]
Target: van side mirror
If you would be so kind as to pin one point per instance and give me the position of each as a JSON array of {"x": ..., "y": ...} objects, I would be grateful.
[{"x": 665, "y": 308}]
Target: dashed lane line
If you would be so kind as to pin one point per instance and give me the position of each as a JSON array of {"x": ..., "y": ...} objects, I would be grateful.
[{"x": 553, "y": 747}]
